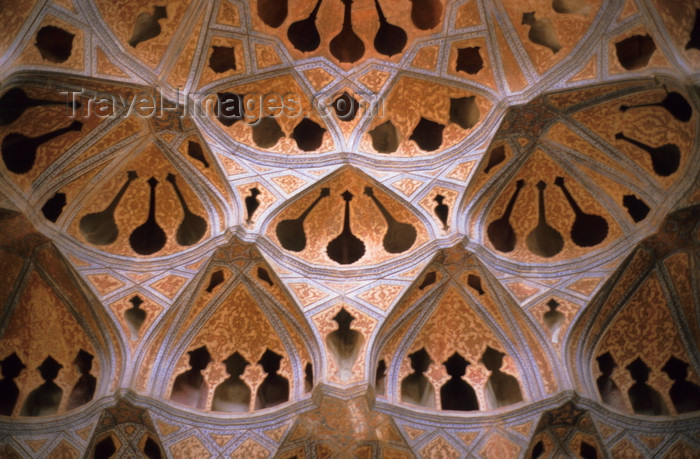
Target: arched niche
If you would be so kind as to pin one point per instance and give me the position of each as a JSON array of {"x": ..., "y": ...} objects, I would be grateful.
[
  {"x": 54, "y": 356},
  {"x": 645, "y": 366},
  {"x": 571, "y": 193},
  {"x": 420, "y": 351},
  {"x": 348, "y": 220},
  {"x": 239, "y": 331}
]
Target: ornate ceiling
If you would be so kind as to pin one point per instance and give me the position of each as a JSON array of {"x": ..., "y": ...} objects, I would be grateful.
[{"x": 329, "y": 228}]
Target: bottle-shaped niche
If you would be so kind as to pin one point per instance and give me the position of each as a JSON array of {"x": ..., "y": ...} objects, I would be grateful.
[
  {"x": 544, "y": 240},
  {"x": 608, "y": 390},
  {"x": 189, "y": 387},
  {"x": 644, "y": 398},
  {"x": 390, "y": 39},
  {"x": 588, "y": 229},
  {"x": 399, "y": 236},
  {"x": 501, "y": 388},
  {"x": 275, "y": 388},
  {"x": 12, "y": 366},
  {"x": 15, "y": 101},
  {"x": 45, "y": 399},
  {"x": 456, "y": 394},
  {"x": 426, "y": 14},
  {"x": 84, "y": 388},
  {"x": 149, "y": 238},
  {"x": 303, "y": 34},
  {"x": 135, "y": 316},
  {"x": 347, "y": 46},
  {"x": 416, "y": 389},
  {"x": 291, "y": 233},
  {"x": 553, "y": 320},
  {"x": 272, "y": 12},
  {"x": 500, "y": 231},
  {"x": 100, "y": 228},
  {"x": 664, "y": 159},
  {"x": 674, "y": 103},
  {"x": 233, "y": 394},
  {"x": 346, "y": 248},
  {"x": 192, "y": 227},
  {"x": 344, "y": 344},
  {"x": 19, "y": 151}
]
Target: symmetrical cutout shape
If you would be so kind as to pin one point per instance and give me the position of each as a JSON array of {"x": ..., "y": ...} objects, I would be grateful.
[
  {"x": 501, "y": 388},
  {"x": 344, "y": 344},
  {"x": 233, "y": 394},
  {"x": 275, "y": 388},
  {"x": 190, "y": 388},
  {"x": 84, "y": 389},
  {"x": 45, "y": 399},
  {"x": 644, "y": 398},
  {"x": 456, "y": 394},
  {"x": 416, "y": 389}
]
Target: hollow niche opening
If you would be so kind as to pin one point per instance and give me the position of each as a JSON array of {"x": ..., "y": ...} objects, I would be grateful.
[
  {"x": 12, "y": 366},
  {"x": 105, "y": 448},
  {"x": 54, "y": 44},
  {"x": 634, "y": 52},
  {"x": 456, "y": 394},
  {"x": 636, "y": 208},
  {"x": 469, "y": 60},
  {"x": 538, "y": 450},
  {"x": 151, "y": 449},
  {"x": 416, "y": 389},
  {"x": 45, "y": 399},
  {"x": 53, "y": 208},
  {"x": 222, "y": 59},
  {"x": 385, "y": 137},
  {"x": 608, "y": 390},
  {"x": 308, "y": 377},
  {"x": 194, "y": 150},
  {"x": 135, "y": 316},
  {"x": 380, "y": 378},
  {"x": 84, "y": 389},
  {"x": 344, "y": 344},
  {"x": 644, "y": 398},
  {"x": 345, "y": 107},
  {"x": 233, "y": 394},
  {"x": 308, "y": 135},
  {"x": 588, "y": 451},
  {"x": 217, "y": 277},
  {"x": 146, "y": 26},
  {"x": 267, "y": 132},
  {"x": 684, "y": 394},
  {"x": 464, "y": 112},
  {"x": 189, "y": 387},
  {"x": 501, "y": 388},
  {"x": 275, "y": 388},
  {"x": 428, "y": 134}
]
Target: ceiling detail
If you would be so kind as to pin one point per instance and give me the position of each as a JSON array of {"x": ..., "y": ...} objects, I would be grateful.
[{"x": 372, "y": 228}]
